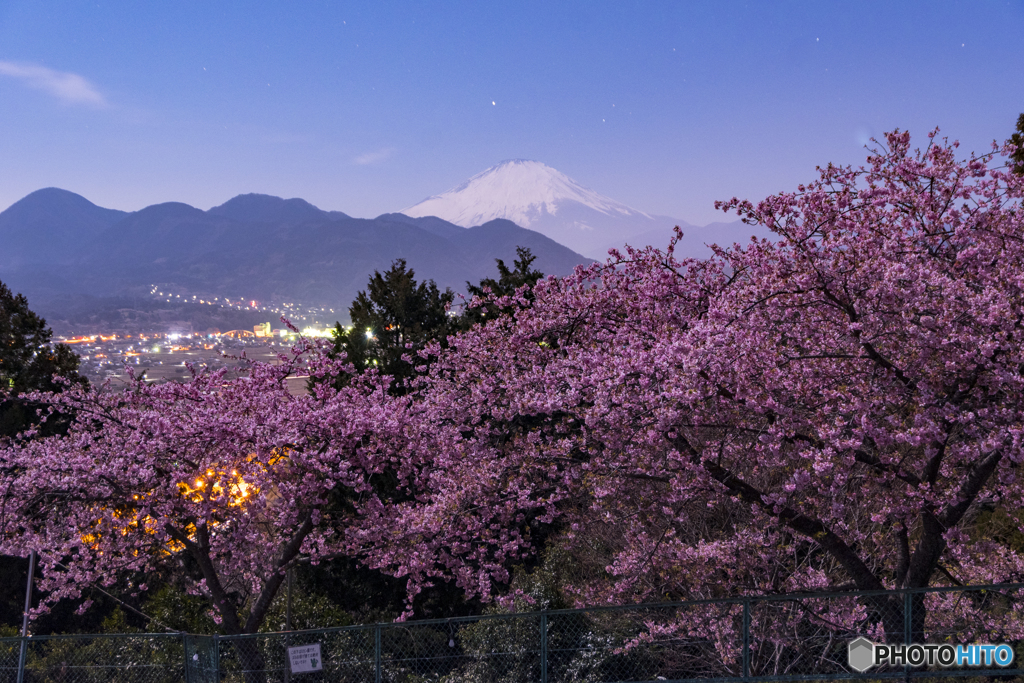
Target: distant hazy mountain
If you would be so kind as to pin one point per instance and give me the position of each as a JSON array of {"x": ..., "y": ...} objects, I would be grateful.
[
  {"x": 58, "y": 247},
  {"x": 50, "y": 226},
  {"x": 536, "y": 196}
]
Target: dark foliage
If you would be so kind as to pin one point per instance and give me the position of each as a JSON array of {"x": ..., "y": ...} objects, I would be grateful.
[
  {"x": 392, "y": 320},
  {"x": 508, "y": 282},
  {"x": 28, "y": 362},
  {"x": 1017, "y": 158}
]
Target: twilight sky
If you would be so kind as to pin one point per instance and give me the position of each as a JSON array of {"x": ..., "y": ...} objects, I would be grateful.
[{"x": 371, "y": 107}]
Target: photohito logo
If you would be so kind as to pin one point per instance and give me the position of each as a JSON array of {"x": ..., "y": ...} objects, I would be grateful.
[{"x": 864, "y": 654}]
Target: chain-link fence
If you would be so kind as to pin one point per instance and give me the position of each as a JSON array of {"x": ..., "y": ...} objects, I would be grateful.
[
  {"x": 768, "y": 638},
  {"x": 131, "y": 658}
]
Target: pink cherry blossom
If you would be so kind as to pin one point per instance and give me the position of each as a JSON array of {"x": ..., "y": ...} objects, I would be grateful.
[
  {"x": 235, "y": 475},
  {"x": 833, "y": 409}
]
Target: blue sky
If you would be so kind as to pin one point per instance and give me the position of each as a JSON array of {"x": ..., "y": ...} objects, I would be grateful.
[{"x": 370, "y": 107}]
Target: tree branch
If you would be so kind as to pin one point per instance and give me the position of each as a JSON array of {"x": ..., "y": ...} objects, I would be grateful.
[
  {"x": 795, "y": 520},
  {"x": 273, "y": 582}
]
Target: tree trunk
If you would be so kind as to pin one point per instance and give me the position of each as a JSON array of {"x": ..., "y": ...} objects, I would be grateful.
[
  {"x": 891, "y": 610},
  {"x": 251, "y": 660}
]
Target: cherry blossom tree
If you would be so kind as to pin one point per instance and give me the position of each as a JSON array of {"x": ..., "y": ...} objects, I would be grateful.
[
  {"x": 230, "y": 481},
  {"x": 839, "y": 408}
]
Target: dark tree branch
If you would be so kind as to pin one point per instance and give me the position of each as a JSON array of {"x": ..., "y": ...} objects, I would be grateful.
[
  {"x": 273, "y": 582},
  {"x": 200, "y": 552},
  {"x": 795, "y": 520}
]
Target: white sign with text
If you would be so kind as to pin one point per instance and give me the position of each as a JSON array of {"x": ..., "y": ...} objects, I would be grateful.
[{"x": 305, "y": 658}]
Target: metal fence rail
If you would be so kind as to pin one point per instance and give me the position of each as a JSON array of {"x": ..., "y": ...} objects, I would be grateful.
[{"x": 765, "y": 638}]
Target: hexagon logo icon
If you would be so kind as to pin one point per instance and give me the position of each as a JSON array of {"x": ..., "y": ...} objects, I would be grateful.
[{"x": 861, "y": 654}]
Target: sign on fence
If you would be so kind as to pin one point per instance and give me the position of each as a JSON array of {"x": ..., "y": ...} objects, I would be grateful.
[{"x": 305, "y": 658}]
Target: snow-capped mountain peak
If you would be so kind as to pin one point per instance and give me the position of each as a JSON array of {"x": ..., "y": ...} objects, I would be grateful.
[
  {"x": 539, "y": 198},
  {"x": 518, "y": 190}
]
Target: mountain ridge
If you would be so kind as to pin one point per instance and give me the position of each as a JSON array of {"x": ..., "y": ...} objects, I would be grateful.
[
  {"x": 255, "y": 207},
  {"x": 252, "y": 246},
  {"x": 45, "y": 226}
]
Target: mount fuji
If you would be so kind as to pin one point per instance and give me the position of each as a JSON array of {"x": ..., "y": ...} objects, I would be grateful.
[{"x": 535, "y": 196}]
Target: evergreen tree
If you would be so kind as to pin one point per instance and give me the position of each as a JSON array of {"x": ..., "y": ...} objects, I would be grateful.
[
  {"x": 506, "y": 285},
  {"x": 393, "y": 319},
  {"x": 1018, "y": 140},
  {"x": 28, "y": 362}
]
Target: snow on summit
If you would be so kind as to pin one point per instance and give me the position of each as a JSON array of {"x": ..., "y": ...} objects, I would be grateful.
[
  {"x": 518, "y": 190},
  {"x": 537, "y": 197}
]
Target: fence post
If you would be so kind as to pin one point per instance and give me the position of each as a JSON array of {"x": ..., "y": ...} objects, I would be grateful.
[
  {"x": 23, "y": 656},
  {"x": 907, "y": 620},
  {"x": 185, "y": 648},
  {"x": 216, "y": 657},
  {"x": 746, "y": 639},
  {"x": 543, "y": 647},
  {"x": 376, "y": 653}
]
